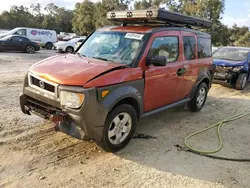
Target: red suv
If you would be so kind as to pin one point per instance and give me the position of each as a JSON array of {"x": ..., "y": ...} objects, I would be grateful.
[{"x": 121, "y": 74}]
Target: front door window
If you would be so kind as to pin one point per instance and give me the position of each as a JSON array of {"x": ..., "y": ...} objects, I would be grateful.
[
  {"x": 162, "y": 83},
  {"x": 21, "y": 32},
  {"x": 165, "y": 46}
]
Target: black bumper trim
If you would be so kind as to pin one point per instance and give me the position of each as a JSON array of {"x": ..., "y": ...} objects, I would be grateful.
[{"x": 84, "y": 122}]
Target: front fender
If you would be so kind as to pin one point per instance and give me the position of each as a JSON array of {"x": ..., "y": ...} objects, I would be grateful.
[{"x": 118, "y": 92}]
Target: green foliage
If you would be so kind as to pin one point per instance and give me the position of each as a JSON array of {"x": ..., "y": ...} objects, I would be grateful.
[
  {"x": 83, "y": 20},
  {"x": 55, "y": 18},
  {"x": 89, "y": 16}
]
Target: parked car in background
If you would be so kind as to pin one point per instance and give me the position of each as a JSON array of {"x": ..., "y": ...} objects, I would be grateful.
[
  {"x": 214, "y": 48},
  {"x": 18, "y": 43},
  {"x": 232, "y": 66},
  {"x": 79, "y": 43},
  {"x": 67, "y": 46},
  {"x": 46, "y": 38}
]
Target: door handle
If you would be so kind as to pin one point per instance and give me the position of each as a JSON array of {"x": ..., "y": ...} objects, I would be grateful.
[{"x": 181, "y": 71}]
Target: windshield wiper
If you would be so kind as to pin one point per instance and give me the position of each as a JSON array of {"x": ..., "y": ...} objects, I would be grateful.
[
  {"x": 80, "y": 55},
  {"x": 104, "y": 59}
]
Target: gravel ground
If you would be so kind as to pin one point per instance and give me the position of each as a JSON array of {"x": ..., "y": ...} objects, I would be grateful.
[{"x": 32, "y": 154}]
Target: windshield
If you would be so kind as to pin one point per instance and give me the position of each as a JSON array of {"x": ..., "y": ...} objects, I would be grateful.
[
  {"x": 233, "y": 54},
  {"x": 118, "y": 47}
]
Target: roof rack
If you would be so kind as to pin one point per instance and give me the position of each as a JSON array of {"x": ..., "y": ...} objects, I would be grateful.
[{"x": 157, "y": 17}]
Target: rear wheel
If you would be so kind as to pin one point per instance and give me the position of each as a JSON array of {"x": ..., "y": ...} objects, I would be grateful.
[
  {"x": 199, "y": 98},
  {"x": 48, "y": 45},
  {"x": 119, "y": 128},
  {"x": 241, "y": 81},
  {"x": 30, "y": 49},
  {"x": 69, "y": 49}
]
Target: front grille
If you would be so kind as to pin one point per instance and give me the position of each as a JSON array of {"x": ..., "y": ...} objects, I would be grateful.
[
  {"x": 42, "y": 85},
  {"x": 42, "y": 108}
]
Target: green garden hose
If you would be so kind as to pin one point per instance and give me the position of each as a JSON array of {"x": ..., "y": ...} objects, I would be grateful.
[{"x": 218, "y": 125}]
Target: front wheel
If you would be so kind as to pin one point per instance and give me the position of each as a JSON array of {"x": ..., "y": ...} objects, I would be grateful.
[
  {"x": 119, "y": 128},
  {"x": 241, "y": 81},
  {"x": 199, "y": 98},
  {"x": 70, "y": 49},
  {"x": 48, "y": 45},
  {"x": 30, "y": 49}
]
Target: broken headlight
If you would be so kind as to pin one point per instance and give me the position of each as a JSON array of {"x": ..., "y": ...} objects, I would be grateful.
[
  {"x": 236, "y": 69},
  {"x": 71, "y": 100}
]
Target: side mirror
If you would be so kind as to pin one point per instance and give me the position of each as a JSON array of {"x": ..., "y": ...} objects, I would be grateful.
[{"x": 157, "y": 61}]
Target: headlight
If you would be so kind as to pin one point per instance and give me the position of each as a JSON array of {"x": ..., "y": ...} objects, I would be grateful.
[
  {"x": 236, "y": 69},
  {"x": 71, "y": 100}
]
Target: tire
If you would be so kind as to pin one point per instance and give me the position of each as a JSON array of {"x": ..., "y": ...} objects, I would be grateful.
[
  {"x": 48, "y": 45},
  {"x": 30, "y": 49},
  {"x": 241, "y": 81},
  {"x": 199, "y": 98},
  {"x": 70, "y": 49},
  {"x": 110, "y": 141}
]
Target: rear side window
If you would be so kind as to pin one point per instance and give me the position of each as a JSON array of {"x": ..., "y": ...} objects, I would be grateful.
[
  {"x": 17, "y": 39},
  {"x": 204, "y": 47},
  {"x": 165, "y": 46},
  {"x": 189, "y": 47}
]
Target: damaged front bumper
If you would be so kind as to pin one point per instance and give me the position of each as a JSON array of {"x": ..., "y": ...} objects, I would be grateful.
[
  {"x": 83, "y": 123},
  {"x": 224, "y": 74}
]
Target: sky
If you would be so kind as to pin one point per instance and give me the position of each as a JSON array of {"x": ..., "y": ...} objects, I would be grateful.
[{"x": 236, "y": 11}]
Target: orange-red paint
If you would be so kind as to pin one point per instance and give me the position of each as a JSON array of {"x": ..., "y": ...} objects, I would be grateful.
[
  {"x": 162, "y": 83},
  {"x": 115, "y": 77},
  {"x": 71, "y": 69}
]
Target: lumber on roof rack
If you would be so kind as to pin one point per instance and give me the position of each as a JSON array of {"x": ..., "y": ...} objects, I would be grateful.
[{"x": 158, "y": 17}]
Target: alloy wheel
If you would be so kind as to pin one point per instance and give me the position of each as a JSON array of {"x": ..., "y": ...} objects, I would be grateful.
[
  {"x": 201, "y": 97},
  {"x": 119, "y": 128}
]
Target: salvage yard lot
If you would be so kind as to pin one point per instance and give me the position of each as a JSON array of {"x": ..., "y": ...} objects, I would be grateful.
[{"x": 32, "y": 154}]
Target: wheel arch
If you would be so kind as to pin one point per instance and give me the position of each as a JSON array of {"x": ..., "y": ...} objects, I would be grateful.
[
  {"x": 131, "y": 101},
  {"x": 126, "y": 93},
  {"x": 206, "y": 81},
  {"x": 202, "y": 78}
]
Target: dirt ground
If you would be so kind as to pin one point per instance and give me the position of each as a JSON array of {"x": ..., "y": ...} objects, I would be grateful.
[{"x": 32, "y": 154}]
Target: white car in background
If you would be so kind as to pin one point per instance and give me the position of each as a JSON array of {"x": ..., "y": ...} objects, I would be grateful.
[
  {"x": 67, "y": 46},
  {"x": 80, "y": 42}
]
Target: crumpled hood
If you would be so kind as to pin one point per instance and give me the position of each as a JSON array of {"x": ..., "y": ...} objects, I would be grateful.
[
  {"x": 228, "y": 63},
  {"x": 72, "y": 69}
]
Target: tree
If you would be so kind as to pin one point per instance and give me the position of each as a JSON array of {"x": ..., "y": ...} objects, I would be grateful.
[
  {"x": 144, "y": 4},
  {"x": 206, "y": 9},
  {"x": 37, "y": 12},
  {"x": 244, "y": 40},
  {"x": 56, "y": 18},
  {"x": 83, "y": 20}
]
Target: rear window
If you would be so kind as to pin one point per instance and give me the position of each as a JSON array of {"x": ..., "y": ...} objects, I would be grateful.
[
  {"x": 204, "y": 48},
  {"x": 189, "y": 47}
]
